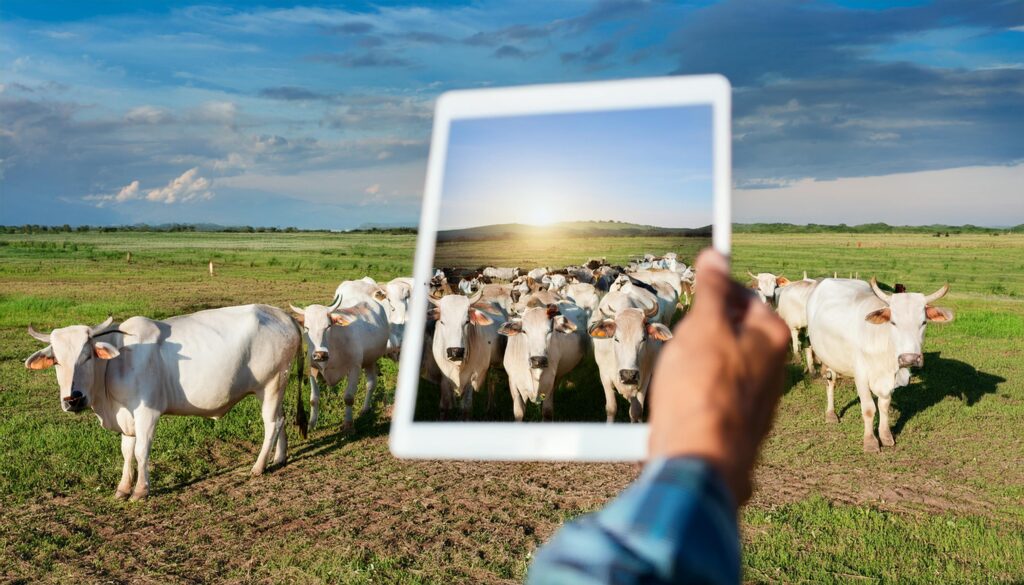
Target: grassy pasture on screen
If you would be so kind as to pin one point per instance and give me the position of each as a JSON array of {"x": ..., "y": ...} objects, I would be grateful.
[{"x": 946, "y": 504}]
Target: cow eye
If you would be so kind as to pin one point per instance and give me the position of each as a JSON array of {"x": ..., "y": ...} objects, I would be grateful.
[{"x": 893, "y": 323}]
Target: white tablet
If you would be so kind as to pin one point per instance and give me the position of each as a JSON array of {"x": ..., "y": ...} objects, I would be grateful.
[{"x": 558, "y": 226}]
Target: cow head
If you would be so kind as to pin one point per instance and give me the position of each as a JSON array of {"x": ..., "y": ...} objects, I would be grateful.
[
  {"x": 73, "y": 352},
  {"x": 317, "y": 320},
  {"x": 537, "y": 325},
  {"x": 455, "y": 314},
  {"x": 630, "y": 331},
  {"x": 905, "y": 316},
  {"x": 765, "y": 283},
  {"x": 395, "y": 298}
]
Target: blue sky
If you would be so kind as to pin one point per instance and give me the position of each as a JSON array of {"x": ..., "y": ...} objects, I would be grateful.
[
  {"x": 319, "y": 116},
  {"x": 648, "y": 166}
]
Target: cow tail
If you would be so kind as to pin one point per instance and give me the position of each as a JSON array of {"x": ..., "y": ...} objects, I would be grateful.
[{"x": 300, "y": 373}]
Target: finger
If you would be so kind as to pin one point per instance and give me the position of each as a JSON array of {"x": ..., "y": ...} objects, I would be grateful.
[{"x": 713, "y": 273}]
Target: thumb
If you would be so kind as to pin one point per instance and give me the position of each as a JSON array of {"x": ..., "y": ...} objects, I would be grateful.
[{"x": 713, "y": 283}]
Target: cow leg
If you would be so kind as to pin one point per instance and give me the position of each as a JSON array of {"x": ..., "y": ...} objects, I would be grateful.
[
  {"x": 547, "y": 408},
  {"x": 518, "y": 404},
  {"x": 352, "y": 384},
  {"x": 794, "y": 334},
  {"x": 371, "y": 384},
  {"x": 884, "y": 433},
  {"x": 145, "y": 426},
  {"x": 314, "y": 396},
  {"x": 830, "y": 391},
  {"x": 273, "y": 423},
  {"x": 491, "y": 389},
  {"x": 636, "y": 408},
  {"x": 124, "y": 488},
  {"x": 867, "y": 412},
  {"x": 809, "y": 355},
  {"x": 611, "y": 407},
  {"x": 444, "y": 409},
  {"x": 467, "y": 402}
]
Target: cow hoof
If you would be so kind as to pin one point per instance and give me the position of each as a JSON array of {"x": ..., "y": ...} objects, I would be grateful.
[
  {"x": 364, "y": 411},
  {"x": 830, "y": 417},
  {"x": 256, "y": 471},
  {"x": 887, "y": 440},
  {"x": 119, "y": 495},
  {"x": 347, "y": 428},
  {"x": 871, "y": 445},
  {"x": 139, "y": 496}
]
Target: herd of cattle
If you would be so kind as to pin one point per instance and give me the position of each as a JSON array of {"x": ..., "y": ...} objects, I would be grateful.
[{"x": 536, "y": 325}]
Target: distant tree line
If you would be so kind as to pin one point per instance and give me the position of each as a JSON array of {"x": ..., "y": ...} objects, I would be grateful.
[
  {"x": 186, "y": 227},
  {"x": 938, "y": 230}
]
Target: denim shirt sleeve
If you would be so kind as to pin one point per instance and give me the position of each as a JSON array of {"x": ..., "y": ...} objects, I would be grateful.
[{"x": 675, "y": 524}]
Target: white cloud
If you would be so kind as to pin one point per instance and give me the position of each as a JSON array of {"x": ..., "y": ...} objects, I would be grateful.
[
  {"x": 221, "y": 112},
  {"x": 233, "y": 161},
  {"x": 147, "y": 115},
  {"x": 372, "y": 189},
  {"x": 188, "y": 187},
  {"x": 129, "y": 191},
  {"x": 982, "y": 195}
]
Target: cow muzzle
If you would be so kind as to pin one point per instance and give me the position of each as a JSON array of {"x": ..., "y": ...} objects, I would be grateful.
[
  {"x": 629, "y": 377},
  {"x": 74, "y": 403},
  {"x": 321, "y": 356},
  {"x": 538, "y": 362},
  {"x": 911, "y": 360},
  {"x": 455, "y": 354}
]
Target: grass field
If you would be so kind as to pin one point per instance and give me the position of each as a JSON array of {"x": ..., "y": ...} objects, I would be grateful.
[{"x": 945, "y": 505}]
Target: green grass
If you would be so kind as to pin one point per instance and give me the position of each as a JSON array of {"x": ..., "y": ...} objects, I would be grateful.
[{"x": 944, "y": 505}]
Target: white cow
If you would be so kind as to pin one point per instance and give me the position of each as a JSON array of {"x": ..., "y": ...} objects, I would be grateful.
[
  {"x": 586, "y": 296},
  {"x": 395, "y": 297},
  {"x": 469, "y": 286},
  {"x": 858, "y": 330},
  {"x": 501, "y": 273},
  {"x": 538, "y": 273},
  {"x": 344, "y": 340},
  {"x": 555, "y": 282},
  {"x": 465, "y": 345},
  {"x": 765, "y": 283},
  {"x": 626, "y": 345},
  {"x": 193, "y": 365},
  {"x": 792, "y": 308},
  {"x": 544, "y": 345},
  {"x": 659, "y": 294}
]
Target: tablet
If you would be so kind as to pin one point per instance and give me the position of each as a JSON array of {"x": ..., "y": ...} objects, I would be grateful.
[{"x": 553, "y": 257}]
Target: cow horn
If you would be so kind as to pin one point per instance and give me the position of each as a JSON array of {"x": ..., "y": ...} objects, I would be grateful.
[
  {"x": 752, "y": 275},
  {"x": 879, "y": 292},
  {"x": 44, "y": 337},
  {"x": 937, "y": 294},
  {"x": 296, "y": 309},
  {"x": 99, "y": 328},
  {"x": 334, "y": 304},
  {"x": 651, "y": 311},
  {"x": 475, "y": 297},
  {"x": 434, "y": 300}
]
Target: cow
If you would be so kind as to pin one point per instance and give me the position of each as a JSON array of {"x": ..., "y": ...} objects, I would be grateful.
[
  {"x": 469, "y": 286},
  {"x": 792, "y": 308},
  {"x": 626, "y": 344},
  {"x": 538, "y": 273},
  {"x": 506, "y": 274},
  {"x": 544, "y": 345},
  {"x": 660, "y": 294},
  {"x": 595, "y": 263},
  {"x": 200, "y": 364},
  {"x": 765, "y": 283},
  {"x": 395, "y": 296},
  {"x": 344, "y": 338},
  {"x": 858, "y": 330},
  {"x": 465, "y": 345},
  {"x": 555, "y": 282},
  {"x": 585, "y": 296},
  {"x": 499, "y": 294}
]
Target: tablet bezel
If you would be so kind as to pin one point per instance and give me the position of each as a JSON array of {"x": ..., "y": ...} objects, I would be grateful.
[{"x": 548, "y": 441}]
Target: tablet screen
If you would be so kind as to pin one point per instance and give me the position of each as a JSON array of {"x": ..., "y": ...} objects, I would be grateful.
[{"x": 562, "y": 260}]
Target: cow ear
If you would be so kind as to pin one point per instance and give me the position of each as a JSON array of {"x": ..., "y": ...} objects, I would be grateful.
[
  {"x": 658, "y": 331},
  {"x": 343, "y": 319},
  {"x": 510, "y": 328},
  {"x": 603, "y": 329},
  {"x": 564, "y": 325},
  {"x": 479, "y": 317},
  {"x": 878, "y": 317},
  {"x": 552, "y": 310},
  {"x": 104, "y": 350},
  {"x": 380, "y": 294},
  {"x": 781, "y": 281},
  {"x": 938, "y": 314},
  {"x": 41, "y": 359}
]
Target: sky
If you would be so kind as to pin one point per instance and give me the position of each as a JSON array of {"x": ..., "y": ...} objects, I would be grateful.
[
  {"x": 318, "y": 116},
  {"x": 649, "y": 166}
]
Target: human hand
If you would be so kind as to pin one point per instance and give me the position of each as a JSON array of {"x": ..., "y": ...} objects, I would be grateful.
[{"x": 718, "y": 381}]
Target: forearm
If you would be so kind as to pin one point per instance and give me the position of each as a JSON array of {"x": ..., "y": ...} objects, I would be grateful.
[{"x": 676, "y": 523}]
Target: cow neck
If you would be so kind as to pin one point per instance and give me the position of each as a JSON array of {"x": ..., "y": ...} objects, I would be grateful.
[{"x": 103, "y": 405}]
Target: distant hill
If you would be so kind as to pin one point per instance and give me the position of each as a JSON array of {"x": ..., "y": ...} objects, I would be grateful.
[
  {"x": 512, "y": 231},
  {"x": 867, "y": 228}
]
